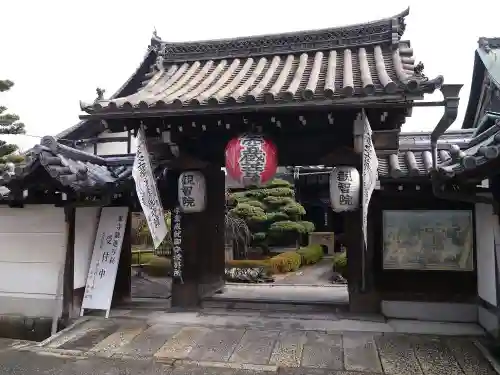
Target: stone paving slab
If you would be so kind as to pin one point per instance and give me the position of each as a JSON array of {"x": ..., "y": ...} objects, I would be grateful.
[{"x": 258, "y": 348}]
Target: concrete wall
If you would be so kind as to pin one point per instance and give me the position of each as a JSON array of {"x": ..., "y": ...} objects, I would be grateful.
[{"x": 32, "y": 253}]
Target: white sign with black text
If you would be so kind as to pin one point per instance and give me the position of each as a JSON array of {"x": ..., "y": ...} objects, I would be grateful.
[
  {"x": 105, "y": 257},
  {"x": 147, "y": 191},
  {"x": 191, "y": 191},
  {"x": 370, "y": 172}
]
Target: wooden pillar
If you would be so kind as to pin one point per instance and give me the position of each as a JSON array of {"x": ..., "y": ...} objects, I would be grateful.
[
  {"x": 363, "y": 296},
  {"x": 202, "y": 246}
]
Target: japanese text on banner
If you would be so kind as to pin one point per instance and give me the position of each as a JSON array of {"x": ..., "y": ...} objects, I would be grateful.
[
  {"x": 147, "y": 191},
  {"x": 370, "y": 172}
]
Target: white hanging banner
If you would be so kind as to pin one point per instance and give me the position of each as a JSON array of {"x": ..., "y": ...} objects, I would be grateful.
[
  {"x": 344, "y": 189},
  {"x": 192, "y": 191},
  {"x": 370, "y": 172},
  {"x": 147, "y": 191},
  {"x": 105, "y": 257}
]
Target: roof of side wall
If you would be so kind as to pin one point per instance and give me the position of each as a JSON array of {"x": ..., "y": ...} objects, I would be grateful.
[{"x": 486, "y": 59}]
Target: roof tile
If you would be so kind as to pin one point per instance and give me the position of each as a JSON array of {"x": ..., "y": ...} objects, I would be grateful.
[{"x": 365, "y": 60}]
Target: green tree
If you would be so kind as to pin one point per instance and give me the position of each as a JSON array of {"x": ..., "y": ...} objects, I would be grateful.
[
  {"x": 271, "y": 213},
  {"x": 9, "y": 124}
]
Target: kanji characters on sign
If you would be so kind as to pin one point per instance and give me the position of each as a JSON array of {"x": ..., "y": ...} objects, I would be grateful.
[{"x": 177, "y": 244}]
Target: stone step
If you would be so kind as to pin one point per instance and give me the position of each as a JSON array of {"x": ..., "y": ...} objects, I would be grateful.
[
  {"x": 231, "y": 304},
  {"x": 146, "y": 304}
]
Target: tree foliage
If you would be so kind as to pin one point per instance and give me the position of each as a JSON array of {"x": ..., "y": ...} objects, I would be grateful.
[
  {"x": 271, "y": 212},
  {"x": 235, "y": 229},
  {"x": 9, "y": 124}
]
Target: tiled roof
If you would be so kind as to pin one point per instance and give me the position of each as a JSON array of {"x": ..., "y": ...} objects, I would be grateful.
[
  {"x": 73, "y": 168},
  {"x": 482, "y": 149},
  {"x": 485, "y": 75},
  {"x": 366, "y": 60},
  {"x": 414, "y": 158}
]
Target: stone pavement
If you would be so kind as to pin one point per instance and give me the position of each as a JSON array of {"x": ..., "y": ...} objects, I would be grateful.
[
  {"x": 14, "y": 362},
  {"x": 316, "y": 274},
  {"x": 261, "y": 344}
]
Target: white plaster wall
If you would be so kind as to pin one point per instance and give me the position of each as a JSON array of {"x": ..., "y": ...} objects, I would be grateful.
[
  {"x": 431, "y": 311},
  {"x": 486, "y": 222},
  {"x": 86, "y": 221},
  {"x": 112, "y": 148},
  {"x": 32, "y": 252}
]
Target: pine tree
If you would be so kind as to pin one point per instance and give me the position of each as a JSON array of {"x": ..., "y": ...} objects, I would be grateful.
[
  {"x": 272, "y": 213},
  {"x": 9, "y": 124}
]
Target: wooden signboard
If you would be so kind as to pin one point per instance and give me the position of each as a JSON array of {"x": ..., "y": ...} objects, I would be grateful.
[{"x": 105, "y": 257}]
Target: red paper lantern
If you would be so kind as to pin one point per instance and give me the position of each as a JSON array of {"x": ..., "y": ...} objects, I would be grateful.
[{"x": 251, "y": 159}]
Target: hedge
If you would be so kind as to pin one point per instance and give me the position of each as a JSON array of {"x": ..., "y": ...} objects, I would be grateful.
[
  {"x": 158, "y": 267},
  {"x": 311, "y": 254},
  {"x": 340, "y": 263},
  {"x": 288, "y": 261}
]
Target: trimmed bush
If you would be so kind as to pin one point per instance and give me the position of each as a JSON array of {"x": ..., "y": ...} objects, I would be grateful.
[
  {"x": 311, "y": 254},
  {"x": 278, "y": 201},
  {"x": 247, "y": 263},
  {"x": 257, "y": 204},
  {"x": 259, "y": 236},
  {"x": 286, "y": 262},
  {"x": 340, "y": 263},
  {"x": 158, "y": 267},
  {"x": 293, "y": 209},
  {"x": 270, "y": 209},
  {"x": 142, "y": 257}
]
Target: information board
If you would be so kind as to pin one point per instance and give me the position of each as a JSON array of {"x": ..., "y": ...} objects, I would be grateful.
[{"x": 105, "y": 258}]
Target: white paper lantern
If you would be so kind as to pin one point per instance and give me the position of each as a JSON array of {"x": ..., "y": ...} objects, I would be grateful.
[
  {"x": 191, "y": 191},
  {"x": 345, "y": 185}
]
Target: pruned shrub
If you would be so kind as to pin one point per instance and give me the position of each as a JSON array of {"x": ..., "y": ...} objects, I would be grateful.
[
  {"x": 271, "y": 209},
  {"x": 294, "y": 209},
  {"x": 158, "y": 267},
  {"x": 311, "y": 254},
  {"x": 286, "y": 262},
  {"x": 340, "y": 263}
]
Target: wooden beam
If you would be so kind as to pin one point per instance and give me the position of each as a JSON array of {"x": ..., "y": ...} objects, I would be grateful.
[{"x": 387, "y": 101}]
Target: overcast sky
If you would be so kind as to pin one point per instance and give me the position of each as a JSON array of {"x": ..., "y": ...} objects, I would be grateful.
[{"x": 58, "y": 52}]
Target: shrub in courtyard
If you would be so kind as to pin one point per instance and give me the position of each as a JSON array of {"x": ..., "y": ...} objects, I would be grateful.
[
  {"x": 271, "y": 213},
  {"x": 311, "y": 254},
  {"x": 158, "y": 266},
  {"x": 340, "y": 263},
  {"x": 285, "y": 262}
]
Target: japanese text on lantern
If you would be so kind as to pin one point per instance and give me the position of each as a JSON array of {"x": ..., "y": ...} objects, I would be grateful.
[
  {"x": 187, "y": 181},
  {"x": 252, "y": 158},
  {"x": 177, "y": 244},
  {"x": 191, "y": 191},
  {"x": 344, "y": 182}
]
